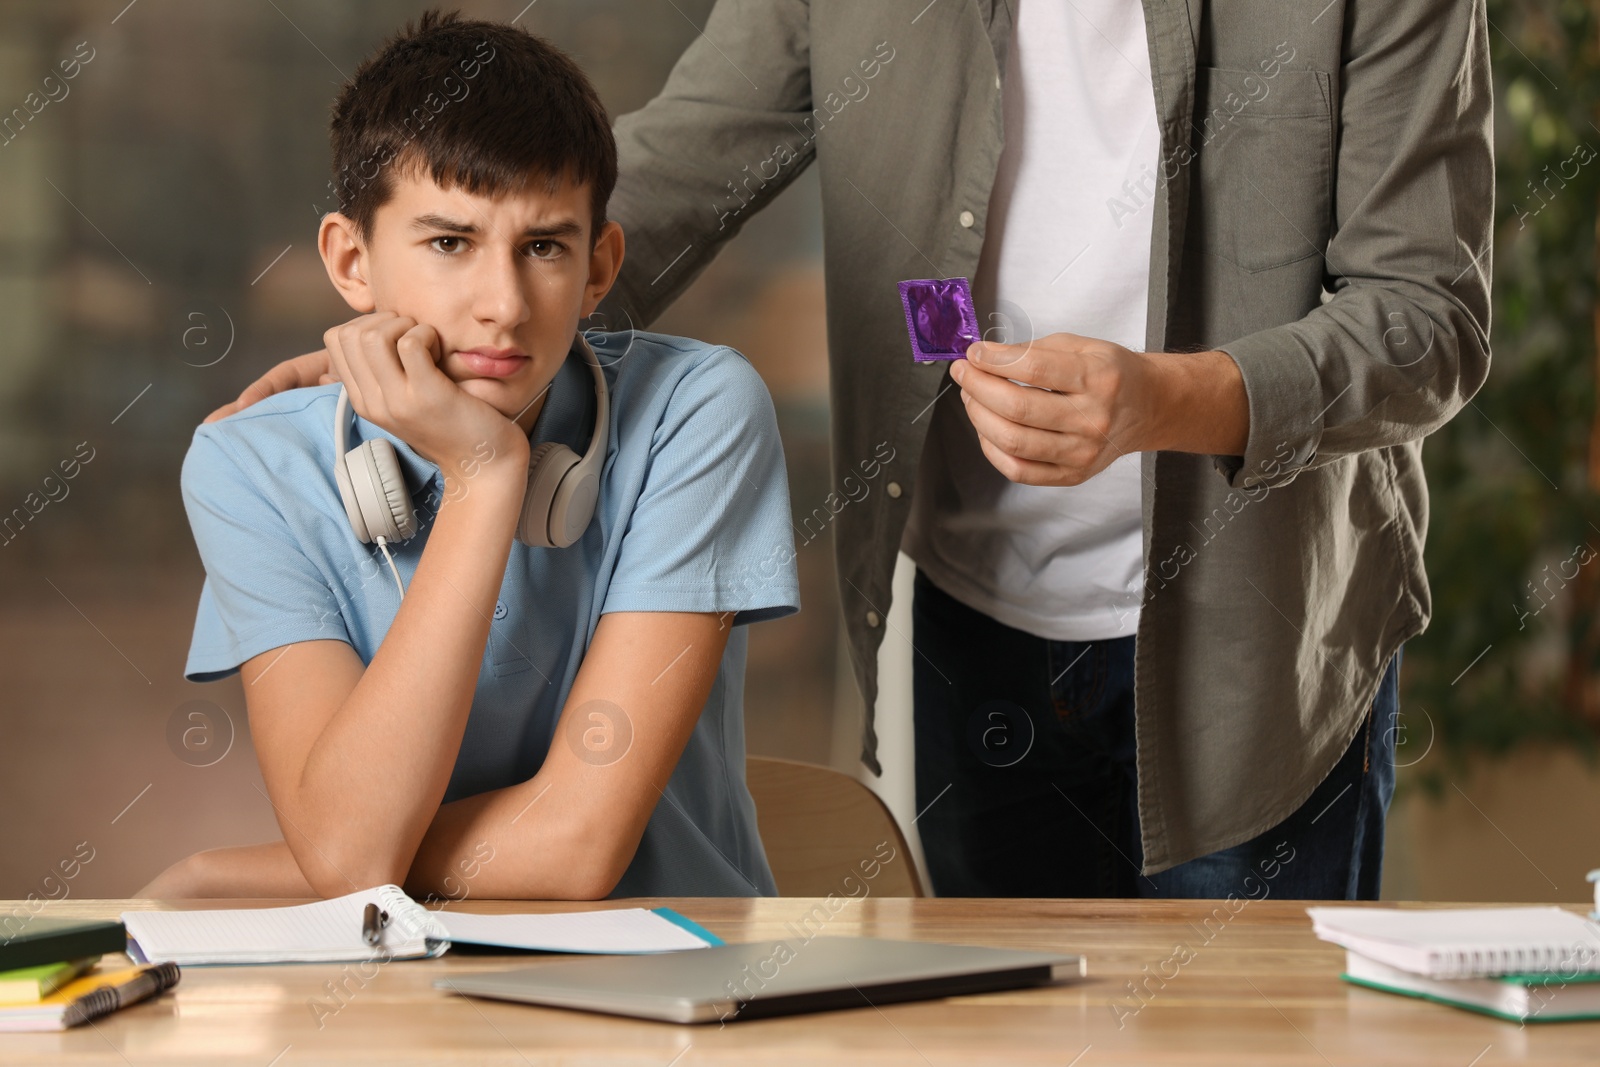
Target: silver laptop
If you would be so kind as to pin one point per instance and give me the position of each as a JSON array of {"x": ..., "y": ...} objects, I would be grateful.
[{"x": 729, "y": 983}]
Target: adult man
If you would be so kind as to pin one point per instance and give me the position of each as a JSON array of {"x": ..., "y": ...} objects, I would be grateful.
[{"x": 1315, "y": 302}]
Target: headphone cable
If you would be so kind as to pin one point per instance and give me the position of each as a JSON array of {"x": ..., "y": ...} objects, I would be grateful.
[{"x": 383, "y": 546}]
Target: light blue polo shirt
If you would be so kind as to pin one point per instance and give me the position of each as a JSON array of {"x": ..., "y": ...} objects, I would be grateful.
[{"x": 693, "y": 515}]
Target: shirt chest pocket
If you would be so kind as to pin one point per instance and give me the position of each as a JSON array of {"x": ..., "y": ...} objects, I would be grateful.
[
  {"x": 1263, "y": 194},
  {"x": 509, "y": 649}
]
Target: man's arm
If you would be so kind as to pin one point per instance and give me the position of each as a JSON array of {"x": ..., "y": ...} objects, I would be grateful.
[
  {"x": 697, "y": 161},
  {"x": 1398, "y": 349},
  {"x": 1404, "y": 341}
]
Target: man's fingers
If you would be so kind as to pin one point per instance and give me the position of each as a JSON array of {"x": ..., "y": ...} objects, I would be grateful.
[
  {"x": 998, "y": 356},
  {"x": 290, "y": 374},
  {"x": 1013, "y": 438},
  {"x": 1075, "y": 449},
  {"x": 1029, "y": 407},
  {"x": 1026, "y": 471},
  {"x": 223, "y": 412},
  {"x": 1055, "y": 361}
]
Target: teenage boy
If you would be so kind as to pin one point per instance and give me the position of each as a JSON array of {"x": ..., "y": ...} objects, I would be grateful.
[{"x": 519, "y": 720}]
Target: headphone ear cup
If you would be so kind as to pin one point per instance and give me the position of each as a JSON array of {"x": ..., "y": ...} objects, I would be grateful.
[
  {"x": 548, "y": 466},
  {"x": 574, "y": 506},
  {"x": 379, "y": 489},
  {"x": 352, "y": 507}
]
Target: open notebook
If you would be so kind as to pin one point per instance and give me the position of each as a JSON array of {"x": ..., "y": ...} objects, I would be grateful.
[{"x": 331, "y": 930}]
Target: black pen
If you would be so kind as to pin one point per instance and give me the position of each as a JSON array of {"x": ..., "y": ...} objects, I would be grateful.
[
  {"x": 372, "y": 924},
  {"x": 108, "y": 998}
]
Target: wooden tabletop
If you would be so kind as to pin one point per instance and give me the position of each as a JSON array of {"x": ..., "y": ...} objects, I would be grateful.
[{"x": 1183, "y": 982}]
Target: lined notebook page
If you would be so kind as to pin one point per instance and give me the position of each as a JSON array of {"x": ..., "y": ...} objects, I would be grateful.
[
  {"x": 1451, "y": 942},
  {"x": 623, "y": 930},
  {"x": 325, "y": 930},
  {"x": 330, "y": 930}
]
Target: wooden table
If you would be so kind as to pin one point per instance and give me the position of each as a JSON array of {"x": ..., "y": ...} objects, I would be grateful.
[{"x": 1182, "y": 982}]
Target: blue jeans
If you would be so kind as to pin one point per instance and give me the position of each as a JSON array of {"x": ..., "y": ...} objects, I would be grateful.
[{"x": 1026, "y": 778}]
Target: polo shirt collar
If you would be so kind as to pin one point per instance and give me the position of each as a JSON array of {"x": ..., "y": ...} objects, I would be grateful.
[{"x": 567, "y": 413}]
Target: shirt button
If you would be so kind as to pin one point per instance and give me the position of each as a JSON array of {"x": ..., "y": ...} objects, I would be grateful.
[
  {"x": 872, "y": 619},
  {"x": 893, "y": 489},
  {"x": 967, "y": 219},
  {"x": 499, "y": 609}
]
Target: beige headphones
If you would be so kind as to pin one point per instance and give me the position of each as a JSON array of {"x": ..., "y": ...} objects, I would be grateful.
[{"x": 556, "y": 508}]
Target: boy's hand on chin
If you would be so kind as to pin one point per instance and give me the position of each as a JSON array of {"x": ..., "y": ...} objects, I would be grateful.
[{"x": 389, "y": 363}]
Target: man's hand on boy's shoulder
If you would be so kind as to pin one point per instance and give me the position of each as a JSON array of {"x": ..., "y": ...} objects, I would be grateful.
[
  {"x": 389, "y": 363},
  {"x": 313, "y": 368}
]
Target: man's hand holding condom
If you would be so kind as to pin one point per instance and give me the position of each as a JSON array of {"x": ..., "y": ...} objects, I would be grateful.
[
  {"x": 1083, "y": 412},
  {"x": 1057, "y": 410},
  {"x": 1103, "y": 401}
]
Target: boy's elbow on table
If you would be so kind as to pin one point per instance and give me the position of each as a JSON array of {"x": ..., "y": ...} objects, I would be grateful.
[{"x": 336, "y": 871}]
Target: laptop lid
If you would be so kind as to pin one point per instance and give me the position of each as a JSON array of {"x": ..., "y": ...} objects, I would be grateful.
[{"x": 761, "y": 978}]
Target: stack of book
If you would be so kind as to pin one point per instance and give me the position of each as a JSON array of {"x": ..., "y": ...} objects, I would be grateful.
[
  {"x": 1523, "y": 964},
  {"x": 50, "y": 978}
]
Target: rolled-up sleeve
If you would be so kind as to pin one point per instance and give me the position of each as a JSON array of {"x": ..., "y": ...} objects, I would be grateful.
[{"x": 1402, "y": 341}]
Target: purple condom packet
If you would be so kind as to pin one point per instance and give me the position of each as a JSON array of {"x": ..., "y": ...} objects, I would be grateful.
[{"x": 940, "y": 317}]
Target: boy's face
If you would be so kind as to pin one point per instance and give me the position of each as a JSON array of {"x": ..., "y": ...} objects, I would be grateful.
[{"x": 504, "y": 281}]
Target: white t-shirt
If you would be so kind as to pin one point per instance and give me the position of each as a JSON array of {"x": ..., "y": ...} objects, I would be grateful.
[{"x": 1067, "y": 250}]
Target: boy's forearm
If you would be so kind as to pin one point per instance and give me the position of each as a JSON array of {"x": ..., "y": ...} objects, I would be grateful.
[
  {"x": 376, "y": 774},
  {"x": 571, "y": 831},
  {"x": 521, "y": 842}
]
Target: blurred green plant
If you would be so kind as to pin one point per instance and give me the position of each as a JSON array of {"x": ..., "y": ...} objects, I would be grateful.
[{"x": 1513, "y": 652}]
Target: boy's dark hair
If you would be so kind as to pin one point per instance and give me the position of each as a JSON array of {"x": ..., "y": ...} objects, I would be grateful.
[{"x": 481, "y": 106}]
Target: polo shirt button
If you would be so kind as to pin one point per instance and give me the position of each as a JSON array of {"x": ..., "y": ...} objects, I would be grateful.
[
  {"x": 872, "y": 618},
  {"x": 893, "y": 489},
  {"x": 967, "y": 219},
  {"x": 499, "y": 609}
]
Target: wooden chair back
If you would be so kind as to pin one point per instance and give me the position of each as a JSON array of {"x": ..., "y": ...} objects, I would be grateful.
[{"x": 821, "y": 827}]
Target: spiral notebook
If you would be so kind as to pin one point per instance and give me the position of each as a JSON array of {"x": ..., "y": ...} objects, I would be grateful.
[
  {"x": 1465, "y": 942},
  {"x": 331, "y": 930}
]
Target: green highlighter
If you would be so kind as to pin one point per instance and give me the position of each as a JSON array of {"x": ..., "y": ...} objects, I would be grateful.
[{"x": 29, "y": 985}]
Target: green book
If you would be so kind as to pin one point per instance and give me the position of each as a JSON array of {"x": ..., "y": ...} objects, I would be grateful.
[
  {"x": 1517, "y": 997},
  {"x": 29, "y": 985},
  {"x": 29, "y": 941}
]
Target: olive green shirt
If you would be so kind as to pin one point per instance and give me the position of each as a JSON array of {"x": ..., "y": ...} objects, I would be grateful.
[{"x": 1323, "y": 216}]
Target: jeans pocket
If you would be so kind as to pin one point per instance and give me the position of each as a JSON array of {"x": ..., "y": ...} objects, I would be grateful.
[{"x": 1078, "y": 677}]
